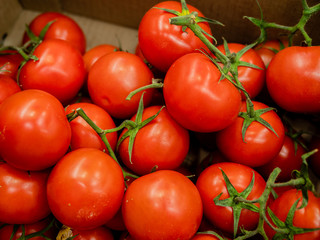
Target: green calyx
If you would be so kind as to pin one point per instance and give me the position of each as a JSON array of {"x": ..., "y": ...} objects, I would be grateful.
[{"x": 237, "y": 201}]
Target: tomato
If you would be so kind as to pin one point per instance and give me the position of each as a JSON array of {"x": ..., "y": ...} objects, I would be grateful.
[
  {"x": 211, "y": 183},
  {"x": 90, "y": 186},
  {"x": 6, "y": 231},
  {"x": 252, "y": 79},
  {"x": 8, "y": 86},
  {"x": 162, "y": 205},
  {"x": 63, "y": 27},
  {"x": 83, "y": 135},
  {"x": 307, "y": 217},
  {"x": 288, "y": 159},
  {"x": 157, "y": 37},
  {"x": 23, "y": 195},
  {"x": 162, "y": 143},
  {"x": 60, "y": 70},
  {"x": 260, "y": 144},
  {"x": 196, "y": 98},
  {"x": 268, "y": 49},
  {"x": 113, "y": 77},
  {"x": 35, "y": 132},
  {"x": 9, "y": 63},
  {"x": 99, "y": 233},
  {"x": 293, "y": 81},
  {"x": 204, "y": 237}
]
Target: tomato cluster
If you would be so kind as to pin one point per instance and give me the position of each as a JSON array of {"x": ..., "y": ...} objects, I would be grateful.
[{"x": 182, "y": 139}]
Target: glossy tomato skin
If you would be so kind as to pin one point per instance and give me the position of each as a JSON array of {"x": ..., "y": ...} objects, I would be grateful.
[
  {"x": 162, "y": 205},
  {"x": 35, "y": 132},
  {"x": 205, "y": 237},
  {"x": 307, "y": 217},
  {"x": 9, "y": 63},
  {"x": 63, "y": 27},
  {"x": 113, "y": 77},
  {"x": 211, "y": 183},
  {"x": 260, "y": 144},
  {"x": 60, "y": 70},
  {"x": 90, "y": 187},
  {"x": 157, "y": 37},
  {"x": 8, "y": 86},
  {"x": 252, "y": 79},
  {"x": 6, "y": 231},
  {"x": 196, "y": 98},
  {"x": 99, "y": 233},
  {"x": 288, "y": 159},
  {"x": 83, "y": 135},
  {"x": 293, "y": 81},
  {"x": 162, "y": 143},
  {"x": 23, "y": 195}
]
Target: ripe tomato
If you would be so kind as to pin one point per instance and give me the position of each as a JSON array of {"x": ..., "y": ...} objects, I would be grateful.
[
  {"x": 63, "y": 27},
  {"x": 252, "y": 79},
  {"x": 6, "y": 231},
  {"x": 8, "y": 86},
  {"x": 205, "y": 237},
  {"x": 60, "y": 70},
  {"x": 161, "y": 42},
  {"x": 211, "y": 183},
  {"x": 83, "y": 135},
  {"x": 162, "y": 205},
  {"x": 23, "y": 195},
  {"x": 90, "y": 186},
  {"x": 268, "y": 49},
  {"x": 260, "y": 144},
  {"x": 162, "y": 143},
  {"x": 35, "y": 132},
  {"x": 307, "y": 217},
  {"x": 293, "y": 80},
  {"x": 288, "y": 159},
  {"x": 98, "y": 233},
  {"x": 196, "y": 98},
  {"x": 113, "y": 77},
  {"x": 9, "y": 63}
]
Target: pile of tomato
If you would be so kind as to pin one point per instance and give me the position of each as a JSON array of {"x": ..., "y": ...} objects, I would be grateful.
[{"x": 183, "y": 139}]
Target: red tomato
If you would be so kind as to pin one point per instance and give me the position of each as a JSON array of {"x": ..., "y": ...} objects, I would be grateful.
[
  {"x": 211, "y": 183},
  {"x": 288, "y": 159},
  {"x": 260, "y": 144},
  {"x": 113, "y": 77},
  {"x": 307, "y": 217},
  {"x": 63, "y": 27},
  {"x": 83, "y": 135},
  {"x": 252, "y": 79},
  {"x": 205, "y": 237},
  {"x": 99, "y": 233},
  {"x": 162, "y": 205},
  {"x": 8, "y": 86},
  {"x": 90, "y": 187},
  {"x": 35, "y": 132},
  {"x": 293, "y": 80},
  {"x": 23, "y": 195},
  {"x": 162, "y": 143},
  {"x": 60, "y": 70},
  {"x": 161, "y": 42},
  {"x": 6, "y": 231},
  {"x": 268, "y": 49},
  {"x": 9, "y": 63},
  {"x": 196, "y": 98}
]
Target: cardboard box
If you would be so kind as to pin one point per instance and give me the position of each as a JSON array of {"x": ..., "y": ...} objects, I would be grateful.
[{"x": 108, "y": 21}]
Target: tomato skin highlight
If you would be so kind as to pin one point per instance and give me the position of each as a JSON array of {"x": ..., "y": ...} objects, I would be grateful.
[
  {"x": 157, "y": 37},
  {"x": 196, "y": 98},
  {"x": 35, "y": 132},
  {"x": 293, "y": 80},
  {"x": 210, "y": 184},
  {"x": 89, "y": 185},
  {"x": 23, "y": 195},
  {"x": 260, "y": 144},
  {"x": 162, "y": 205},
  {"x": 162, "y": 143}
]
